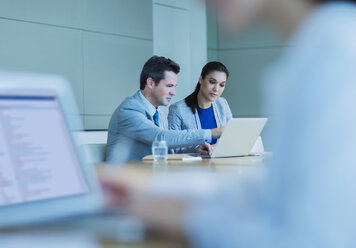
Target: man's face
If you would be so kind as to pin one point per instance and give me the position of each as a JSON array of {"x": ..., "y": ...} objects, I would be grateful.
[{"x": 165, "y": 90}]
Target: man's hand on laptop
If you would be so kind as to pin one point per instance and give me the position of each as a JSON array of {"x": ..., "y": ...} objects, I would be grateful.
[
  {"x": 205, "y": 149},
  {"x": 217, "y": 132}
]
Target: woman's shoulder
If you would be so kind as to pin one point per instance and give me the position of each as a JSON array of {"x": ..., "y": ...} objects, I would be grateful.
[
  {"x": 223, "y": 106},
  {"x": 178, "y": 105},
  {"x": 221, "y": 101}
]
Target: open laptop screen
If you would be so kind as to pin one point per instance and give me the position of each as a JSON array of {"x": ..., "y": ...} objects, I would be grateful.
[{"x": 38, "y": 160}]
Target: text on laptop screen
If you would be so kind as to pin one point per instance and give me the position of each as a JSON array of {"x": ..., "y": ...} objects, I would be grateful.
[{"x": 37, "y": 157}]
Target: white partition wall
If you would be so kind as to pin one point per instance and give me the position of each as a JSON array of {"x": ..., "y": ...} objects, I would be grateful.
[
  {"x": 100, "y": 46},
  {"x": 171, "y": 38},
  {"x": 112, "y": 67},
  {"x": 113, "y": 54},
  {"x": 179, "y": 32},
  {"x": 44, "y": 49},
  {"x": 212, "y": 34},
  {"x": 198, "y": 40},
  {"x": 246, "y": 55},
  {"x": 65, "y": 13}
]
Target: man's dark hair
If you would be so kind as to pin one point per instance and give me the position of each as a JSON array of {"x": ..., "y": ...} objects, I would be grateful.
[{"x": 155, "y": 68}]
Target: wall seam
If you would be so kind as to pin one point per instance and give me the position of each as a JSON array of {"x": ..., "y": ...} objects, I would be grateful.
[
  {"x": 83, "y": 77},
  {"x": 76, "y": 28},
  {"x": 171, "y": 6},
  {"x": 250, "y": 48}
]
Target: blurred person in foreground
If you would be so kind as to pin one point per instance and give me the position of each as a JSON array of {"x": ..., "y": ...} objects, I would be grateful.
[{"x": 308, "y": 198}]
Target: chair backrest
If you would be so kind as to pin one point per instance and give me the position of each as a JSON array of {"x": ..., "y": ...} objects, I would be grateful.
[{"x": 93, "y": 144}]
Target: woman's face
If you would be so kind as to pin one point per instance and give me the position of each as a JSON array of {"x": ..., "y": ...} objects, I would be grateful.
[
  {"x": 237, "y": 14},
  {"x": 213, "y": 85}
]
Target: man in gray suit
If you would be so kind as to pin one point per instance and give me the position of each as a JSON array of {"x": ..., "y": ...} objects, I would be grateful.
[{"x": 137, "y": 122}]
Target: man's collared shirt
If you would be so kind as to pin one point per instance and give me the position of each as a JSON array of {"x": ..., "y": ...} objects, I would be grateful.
[{"x": 151, "y": 109}]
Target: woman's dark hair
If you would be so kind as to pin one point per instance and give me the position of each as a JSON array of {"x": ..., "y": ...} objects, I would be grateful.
[
  {"x": 155, "y": 68},
  {"x": 192, "y": 99}
]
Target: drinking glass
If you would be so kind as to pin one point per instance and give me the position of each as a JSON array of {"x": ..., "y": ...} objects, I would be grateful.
[{"x": 159, "y": 150}]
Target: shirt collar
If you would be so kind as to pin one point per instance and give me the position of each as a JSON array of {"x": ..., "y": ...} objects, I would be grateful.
[{"x": 151, "y": 109}]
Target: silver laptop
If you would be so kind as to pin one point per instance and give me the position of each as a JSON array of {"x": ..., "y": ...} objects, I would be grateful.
[
  {"x": 43, "y": 173},
  {"x": 238, "y": 138}
]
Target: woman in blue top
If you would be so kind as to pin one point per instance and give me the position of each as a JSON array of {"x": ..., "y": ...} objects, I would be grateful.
[{"x": 204, "y": 108}]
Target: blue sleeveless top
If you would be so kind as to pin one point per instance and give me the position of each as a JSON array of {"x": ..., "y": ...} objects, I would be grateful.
[{"x": 207, "y": 120}]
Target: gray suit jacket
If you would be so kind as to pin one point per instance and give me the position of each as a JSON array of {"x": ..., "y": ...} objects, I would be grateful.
[
  {"x": 181, "y": 117},
  {"x": 132, "y": 130}
]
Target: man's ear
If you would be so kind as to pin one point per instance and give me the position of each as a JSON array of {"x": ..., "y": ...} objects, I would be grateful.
[{"x": 150, "y": 83}]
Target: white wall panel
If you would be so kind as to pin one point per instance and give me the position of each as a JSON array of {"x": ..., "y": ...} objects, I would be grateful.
[
  {"x": 212, "y": 30},
  {"x": 43, "y": 49},
  {"x": 63, "y": 13},
  {"x": 97, "y": 122},
  {"x": 112, "y": 67},
  {"x": 124, "y": 17},
  {"x": 172, "y": 39},
  {"x": 255, "y": 37},
  {"x": 213, "y": 55},
  {"x": 175, "y": 3},
  {"x": 198, "y": 40},
  {"x": 243, "y": 88},
  {"x": 112, "y": 37}
]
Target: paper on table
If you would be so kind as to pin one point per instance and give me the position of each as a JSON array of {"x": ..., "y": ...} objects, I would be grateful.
[
  {"x": 180, "y": 156},
  {"x": 191, "y": 158}
]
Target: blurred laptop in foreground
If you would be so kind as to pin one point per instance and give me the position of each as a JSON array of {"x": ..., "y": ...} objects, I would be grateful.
[{"x": 44, "y": 175}]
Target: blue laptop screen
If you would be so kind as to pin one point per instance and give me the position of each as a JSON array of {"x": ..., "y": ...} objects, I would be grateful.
[{"x": 38, "y": 160}]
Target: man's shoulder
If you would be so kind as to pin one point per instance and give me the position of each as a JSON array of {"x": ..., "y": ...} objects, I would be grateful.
[
  {"x": 129, "y": 105},
  {"x": 131, "y": 101}
]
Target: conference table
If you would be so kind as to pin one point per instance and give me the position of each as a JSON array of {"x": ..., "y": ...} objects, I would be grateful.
[{"x": 218, "y": 166}]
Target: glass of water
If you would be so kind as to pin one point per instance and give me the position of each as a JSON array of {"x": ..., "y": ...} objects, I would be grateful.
[{"x": 159, "y": 150}]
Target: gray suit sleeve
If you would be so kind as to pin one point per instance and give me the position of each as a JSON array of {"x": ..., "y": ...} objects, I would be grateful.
[
  {"x": 174, "y": 119},
  {"x": 135, "y": 125},
  {"x": 228, "y": 111}
]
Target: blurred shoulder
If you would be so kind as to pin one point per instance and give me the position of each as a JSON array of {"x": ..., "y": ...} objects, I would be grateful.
[{"x": 330, "y": 26}]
